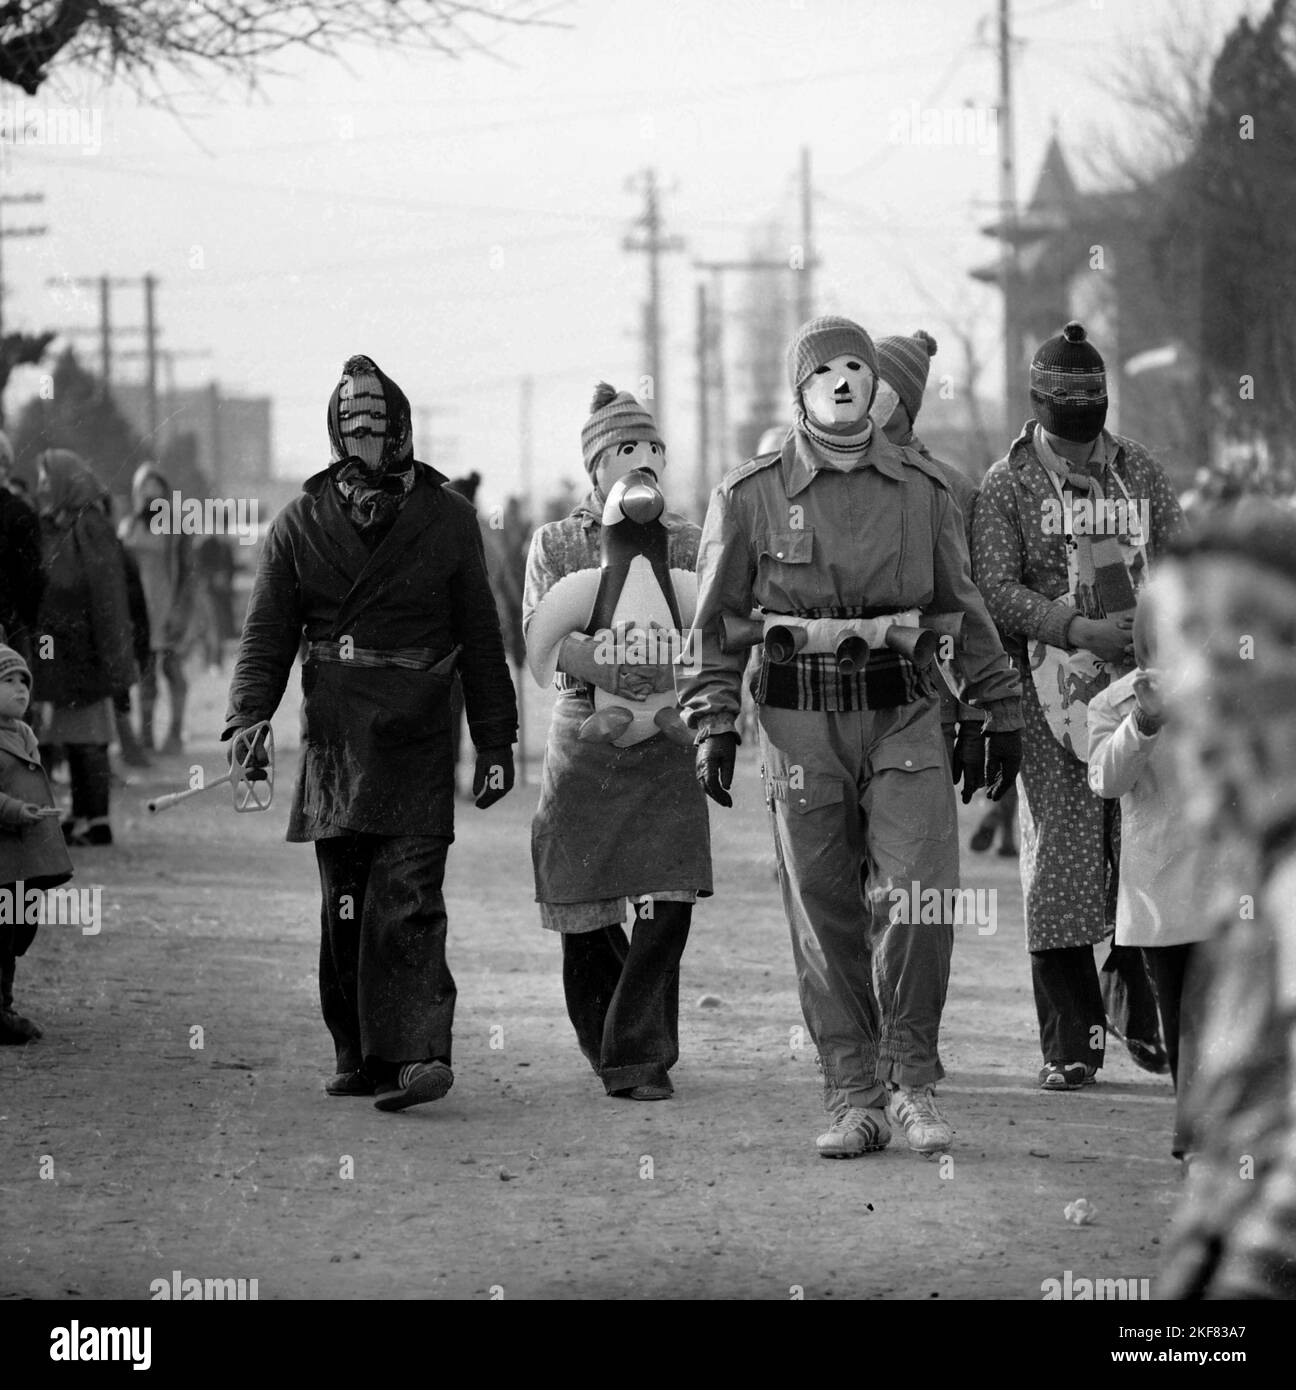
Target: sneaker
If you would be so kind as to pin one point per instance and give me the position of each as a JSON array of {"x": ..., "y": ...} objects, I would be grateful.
[
  {"x": 855, "y": 1131},
  {"x": 1066, "y": 1076},
  {"x": 416, "y": 1083},
  {"x": 924, "y": 1125}
]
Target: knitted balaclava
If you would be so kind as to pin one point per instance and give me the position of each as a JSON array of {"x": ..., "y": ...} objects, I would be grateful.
[
  {"x": 903, "y": 364},
  {"x": 371, "y": 444},
  {"x": 1068, "y": 386},
  {"x": 616, "y": 418},
  {"x": 11, "y": 661}
]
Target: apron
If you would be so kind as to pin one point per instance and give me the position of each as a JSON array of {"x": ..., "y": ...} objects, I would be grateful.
[
  {"x": 616, "y": 822},
  {"x": 1065, "y": 681}
]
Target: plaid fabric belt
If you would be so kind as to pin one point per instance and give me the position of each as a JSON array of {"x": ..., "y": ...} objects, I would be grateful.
[
  {"x": 814, "y": 683},
  {"x": 408, "y": 658}
]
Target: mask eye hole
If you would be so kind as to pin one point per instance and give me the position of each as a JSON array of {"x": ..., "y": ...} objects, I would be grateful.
[
  {"x": 852, "y": 366},
  {"x": 819, "y": 371},
  {"x": 626, "y": 449}
]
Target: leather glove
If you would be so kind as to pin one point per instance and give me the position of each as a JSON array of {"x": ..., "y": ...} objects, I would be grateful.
[
  {"x": 492, "y": 776},
  {"x": 259, "y": 760},
  {"x": 969, "y": 758},
  {"x": 1002, "y": 763},
  {"x": 716, "y": 756}
]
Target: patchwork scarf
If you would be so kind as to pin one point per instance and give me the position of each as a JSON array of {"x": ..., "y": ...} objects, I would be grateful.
[{"x": 371, "y": 444}]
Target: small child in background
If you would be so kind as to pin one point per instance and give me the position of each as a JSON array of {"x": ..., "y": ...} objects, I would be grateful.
[
  {"x": 1157, "y": 906},
  {"x": 32, "y": 852}
]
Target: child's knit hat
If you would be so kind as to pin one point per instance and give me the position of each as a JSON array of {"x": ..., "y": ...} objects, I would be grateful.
[
  {"x": 615, "y": 418},
  {"x": 819, "y": 341},
  {"x": 11, "y": 661},
  {"x": 903, "y": 364}
]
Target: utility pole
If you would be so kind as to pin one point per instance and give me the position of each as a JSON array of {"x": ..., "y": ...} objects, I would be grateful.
[
  {"x": 150, "y": 349},
  {"x": 654, "y": 243},
  {"x": 805, "y": 276},
  {"x": 702, "y": 479},
  {"x": 27, "y": 198},
  {"x": 526, "y": 442},
  {"x": 106, "y": 331},
  {"x": 168, "y": 357},
  {"x": 1008, "y": 227}
]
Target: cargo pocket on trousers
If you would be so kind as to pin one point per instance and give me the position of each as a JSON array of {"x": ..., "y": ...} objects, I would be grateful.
[
  {"x": 803, "y": 794},
  {"x": 912, "y": 796}
]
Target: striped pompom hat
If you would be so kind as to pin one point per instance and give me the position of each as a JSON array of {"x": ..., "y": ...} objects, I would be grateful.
[
  {"x": 903, "y": 364},
  {"x": 615, "y": 418},
  {"x": 1068, "y": 386}
]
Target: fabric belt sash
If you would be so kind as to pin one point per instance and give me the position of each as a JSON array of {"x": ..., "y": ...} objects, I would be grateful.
[{"x": 408, "y": 658}]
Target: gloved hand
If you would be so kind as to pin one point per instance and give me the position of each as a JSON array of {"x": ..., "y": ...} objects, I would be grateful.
[
  {"x": 259, "y": 759},
  {"x": 492, "y": 776},
  {"x": 969, "y": 758},
  {"x": 1002, "y": 763},
  {"x": 578, "y": 657},
  {"x": 716, "y": 756}
]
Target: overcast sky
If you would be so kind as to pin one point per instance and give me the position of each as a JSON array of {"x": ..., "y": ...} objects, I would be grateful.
[{"x": 462, "y": 222}]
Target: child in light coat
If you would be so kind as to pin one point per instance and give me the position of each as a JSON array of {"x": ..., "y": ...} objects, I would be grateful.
[{"x": 1157, "y": 907}]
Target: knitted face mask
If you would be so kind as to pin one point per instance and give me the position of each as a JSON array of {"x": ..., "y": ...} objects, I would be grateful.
[
  {"x": 839, "y": 392},
  {"x": 362, "y": 418}
]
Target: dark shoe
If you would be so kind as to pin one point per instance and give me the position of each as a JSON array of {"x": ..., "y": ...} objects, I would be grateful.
[
  {"x": 649, "y": 1092},
  {"x": 349, "y": 1083},
  {"x": 1066, "y": 1076},
  {"x": 415, "y": 1084},
  {"x": 90, "y": 836},
  {"x": 15, "y": 1030},
  {"x": 982, "y": 837}
]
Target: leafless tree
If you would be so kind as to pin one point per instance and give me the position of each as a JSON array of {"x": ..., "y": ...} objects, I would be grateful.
[{"x": 135, "y": 40}]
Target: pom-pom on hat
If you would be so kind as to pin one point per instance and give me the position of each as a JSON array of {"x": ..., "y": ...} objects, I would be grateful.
[
  {"x": 903, "y": 364},
  {"x": 11, "y": 661},
  {"x": 615, "y": 418},
  {"x": 1068, "y": 385},
  {"x": 821, "y": 340}
]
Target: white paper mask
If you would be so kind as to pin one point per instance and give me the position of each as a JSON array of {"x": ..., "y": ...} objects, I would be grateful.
[
  {"x": 619, "y": 459},
  {"x": 838, "y": 393},
  {"x": 884, "y": 404}
]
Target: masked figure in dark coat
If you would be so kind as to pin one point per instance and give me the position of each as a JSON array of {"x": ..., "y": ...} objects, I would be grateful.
[{"x": 381, "y": 569}]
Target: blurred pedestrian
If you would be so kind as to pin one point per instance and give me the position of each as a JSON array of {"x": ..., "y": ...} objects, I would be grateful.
[
  {"x": 33, "y": 856},
  {"x": 84, "y": 654},
  {"x": 1062, "y": 593},
  {"x": 22, "y": 580},
  {"x": 165, "y": 559},
  {"x": 1227, "y": 624}
]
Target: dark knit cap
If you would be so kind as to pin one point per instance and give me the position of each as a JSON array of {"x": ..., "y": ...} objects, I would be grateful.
[
  {"x": 11, "y": 661},
  {"x": 903, "y": 365},
  {"x": 821, "y": 340},
  {"x": 615, "y": 418},
  {"x": 1068, "y": 386}
]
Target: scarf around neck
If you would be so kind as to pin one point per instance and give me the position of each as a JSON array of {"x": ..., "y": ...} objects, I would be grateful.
[
  {"x": 838, "y": 449},
  {"x": 373, "y": 494}
]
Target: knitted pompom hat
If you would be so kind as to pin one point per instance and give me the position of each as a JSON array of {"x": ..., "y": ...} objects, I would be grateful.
[
  {"x": 615, "y": 418},
  {"x": 821, "y": 340},
  {"x": 1068, "y": 386},
  {"x": 903, "y": 365},
  {"x": 11, "y": 661}
]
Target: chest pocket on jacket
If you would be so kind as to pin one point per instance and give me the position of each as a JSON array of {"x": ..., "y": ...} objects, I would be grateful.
[{"x": 788, "y": 547}]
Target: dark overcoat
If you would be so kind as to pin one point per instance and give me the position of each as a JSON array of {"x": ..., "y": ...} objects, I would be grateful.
[{"x": 377, "y": 753}]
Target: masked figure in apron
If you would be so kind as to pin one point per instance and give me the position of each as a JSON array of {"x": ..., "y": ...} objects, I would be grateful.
[
  {"x": 620, "y": 814},
  {"x": 380, "y": 567},
  {"x": 1064, "y": 530}
]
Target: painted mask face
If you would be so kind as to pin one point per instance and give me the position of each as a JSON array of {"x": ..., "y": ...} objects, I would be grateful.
[
  {"x": 362, "y": 418},
  {"x": 620, "y": 459},
  {"x": 839, "y": 392}
]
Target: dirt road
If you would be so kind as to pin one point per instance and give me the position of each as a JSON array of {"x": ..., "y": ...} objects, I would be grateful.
[{"x": 226, "y": 1160}]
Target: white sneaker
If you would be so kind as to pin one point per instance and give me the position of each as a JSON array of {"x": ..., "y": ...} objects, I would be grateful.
[
  {"x": 924, "y": 1125},
  {"x": 855, "y": 1131}
]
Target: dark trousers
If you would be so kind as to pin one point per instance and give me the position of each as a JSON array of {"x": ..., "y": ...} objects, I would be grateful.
[
  {"x": 1069, "y": 1001},
  {"x": 1181, "y": 980},
  {"x": 623, "y": 996},
  {"x": 7, "y": 964},
  {"x": 91, "y": 779},
  {"x": 387, "y": 994}
]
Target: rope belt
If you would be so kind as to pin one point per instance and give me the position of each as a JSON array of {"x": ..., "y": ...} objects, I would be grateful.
[{"x": 408, "y": 658}]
